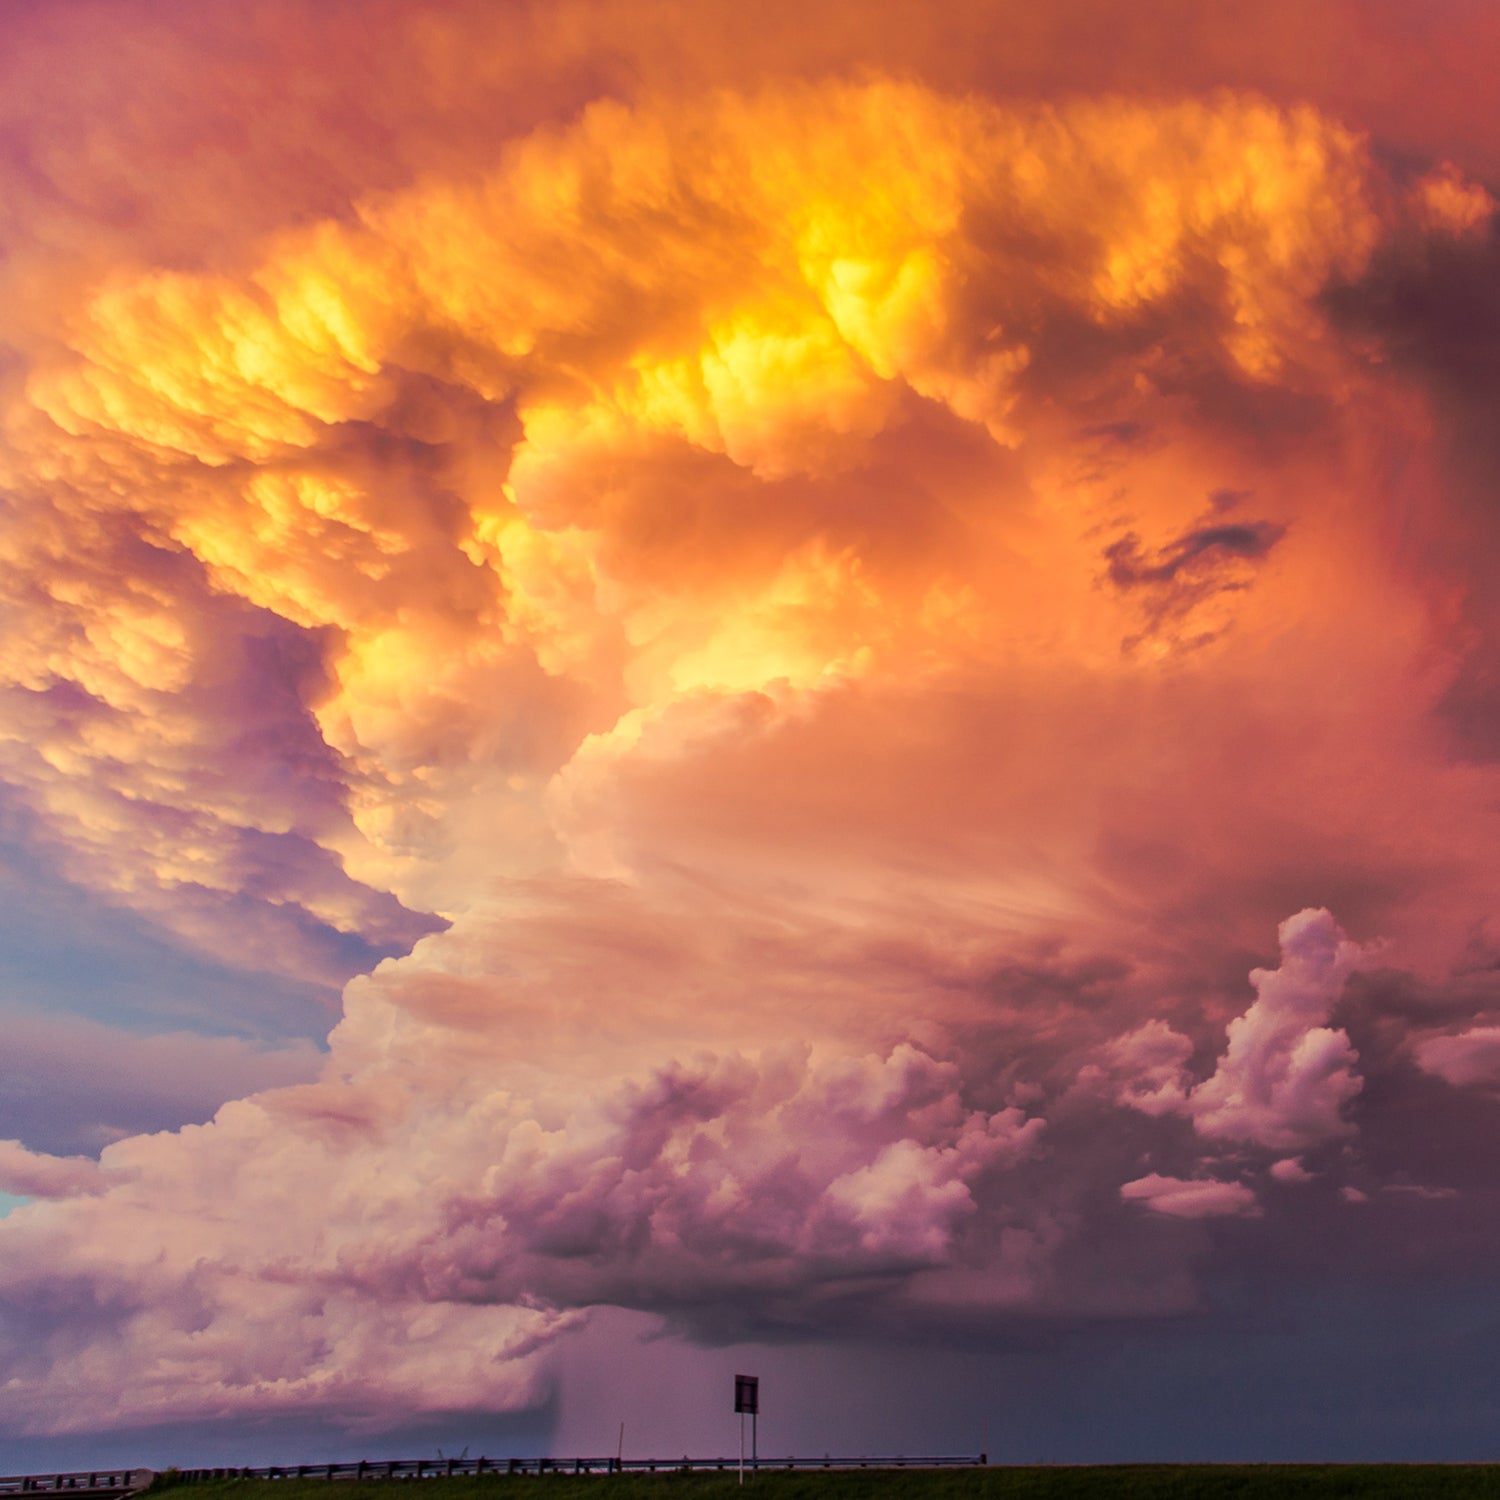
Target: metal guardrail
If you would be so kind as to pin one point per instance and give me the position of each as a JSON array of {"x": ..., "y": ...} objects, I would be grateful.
[
  {"x": 442, "y": 1468},
  {"x": 110, "y": 1484},
  {"x": 85, "y": 1482}
]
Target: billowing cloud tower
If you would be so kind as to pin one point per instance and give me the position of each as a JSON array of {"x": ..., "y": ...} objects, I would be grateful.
[{"x": 763, "y": 654}]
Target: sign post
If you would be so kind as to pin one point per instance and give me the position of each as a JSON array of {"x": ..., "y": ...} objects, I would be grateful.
[{"x": 747, "y": 1399}]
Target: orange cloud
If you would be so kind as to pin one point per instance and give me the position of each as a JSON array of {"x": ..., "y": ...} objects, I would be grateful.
[
  {"x": 635, "y": 302},
  {"x": 855, "y": 601}
]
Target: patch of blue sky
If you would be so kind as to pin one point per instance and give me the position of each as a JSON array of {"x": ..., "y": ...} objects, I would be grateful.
[{"x": 64, "y": 949}]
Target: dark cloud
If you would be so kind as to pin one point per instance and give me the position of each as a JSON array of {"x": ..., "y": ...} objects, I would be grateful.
[
  {"x": 1174, "y": 579},
  {"x": 1128, "y": 569},
  {"x": 1430, "y": 307}
]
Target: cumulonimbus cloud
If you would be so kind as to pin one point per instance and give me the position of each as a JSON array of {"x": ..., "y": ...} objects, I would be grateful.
[{"x": 756, "y": 569}]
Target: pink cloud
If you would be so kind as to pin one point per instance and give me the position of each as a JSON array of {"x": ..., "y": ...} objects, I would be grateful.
[
  {"x": 683, "y": 1182},
  {"x": 1147, "y": 1069},
  {"x": 1191, "y": 1198},
  {"x": 906, "y": 1200},
  {"x": 34, "y": 1174},
  {"x": 1284, "y": 1079},
  {"x": 1290, "y": 1169},
  {"x": 1465, "y": 1058}
]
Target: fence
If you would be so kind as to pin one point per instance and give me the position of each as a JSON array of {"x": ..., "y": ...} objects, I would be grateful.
[
  {"x": 441, "y": 1468},
  {"x": 103, "y": 1483},
  {"x": 98, "y": 1482}
]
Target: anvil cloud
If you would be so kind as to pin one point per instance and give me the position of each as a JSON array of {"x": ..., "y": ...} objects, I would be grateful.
[{"x": 865, "y": 689}]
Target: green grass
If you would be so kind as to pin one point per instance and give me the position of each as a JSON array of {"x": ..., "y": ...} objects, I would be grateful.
[{"x": 1101, "y": 1482}]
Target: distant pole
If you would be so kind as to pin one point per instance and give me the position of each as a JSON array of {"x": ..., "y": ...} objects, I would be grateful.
[
  {"x": 620, "y": 1451},
  {"x": 754, "y": 1438},
  {"x": 742, "y": 1447}
]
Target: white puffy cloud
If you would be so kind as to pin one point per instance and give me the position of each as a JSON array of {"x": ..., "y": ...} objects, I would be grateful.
[
  {"x": 906, "y": 1201},
  {"x": 1290, "y": 1169},
  {"x": 1146, "y": 1068},
  {"x": 1191, "y": 1198},
  {"x": 477, "y": 1187},
  {"x": 35, "y": 1174},
  {"x": 1284, "y": 1077},
  {"x": 1464, "y": 1059}
]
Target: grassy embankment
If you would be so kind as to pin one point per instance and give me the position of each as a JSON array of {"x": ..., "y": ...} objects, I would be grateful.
[{"x": 1104, "y": 1482}]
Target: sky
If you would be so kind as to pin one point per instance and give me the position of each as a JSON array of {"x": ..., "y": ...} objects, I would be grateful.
[{"x": 808, "y": 689}]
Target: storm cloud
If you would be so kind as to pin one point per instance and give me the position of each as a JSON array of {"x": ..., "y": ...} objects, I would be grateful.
[{"x": 872, "y": 682}]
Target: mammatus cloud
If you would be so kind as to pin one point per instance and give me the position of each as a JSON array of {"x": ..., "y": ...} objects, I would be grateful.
[
  {"x": 850, "y": 605},
  {"x": 444, "y": 489}
]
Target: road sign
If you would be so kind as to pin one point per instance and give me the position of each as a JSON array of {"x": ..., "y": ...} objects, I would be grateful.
[{"x": 747, "y": 1399}]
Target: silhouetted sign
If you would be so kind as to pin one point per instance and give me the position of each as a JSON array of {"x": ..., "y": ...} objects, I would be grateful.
[{"x": 747, "y": 1393}]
